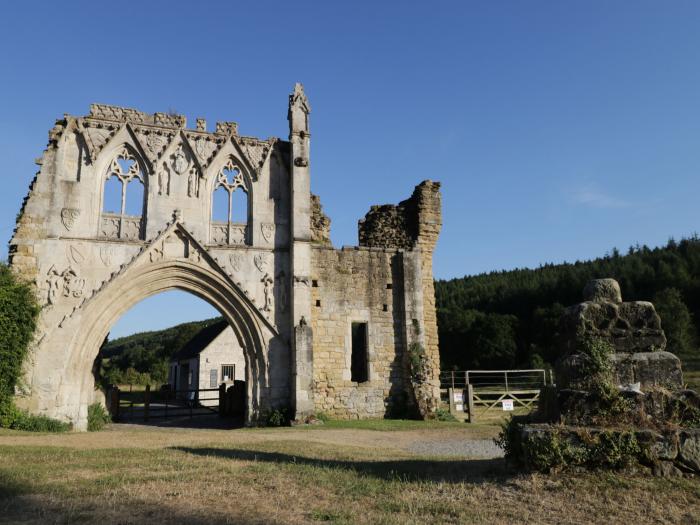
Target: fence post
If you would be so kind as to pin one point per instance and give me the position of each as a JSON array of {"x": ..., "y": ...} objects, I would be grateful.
[
  {"x": 470, "y": 403},
  {"x": 506, "y": 374},
  {"x": 453, "y": 378},
  {"x": 146, "y": 402},
  {"x": 114, "y": 402},
  {"x": 222, "y": 399},
  {"x": 451, "y": 396}
]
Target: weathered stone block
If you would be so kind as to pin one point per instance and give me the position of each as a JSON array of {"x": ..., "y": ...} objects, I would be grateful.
[{"x": 648, "y": 368}]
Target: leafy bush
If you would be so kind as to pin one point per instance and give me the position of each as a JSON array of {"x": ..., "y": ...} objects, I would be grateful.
[
  {"x": 98, "y": 417},
  {"x": 16, "y": 419},
  {"x": 276, "y": 417},
  {"x": 18, "y": 314},
  {"x": 443, "y": 414}
]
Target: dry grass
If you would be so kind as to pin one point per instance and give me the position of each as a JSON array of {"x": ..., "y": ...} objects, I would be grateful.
[{"x": 337, "y": 475}]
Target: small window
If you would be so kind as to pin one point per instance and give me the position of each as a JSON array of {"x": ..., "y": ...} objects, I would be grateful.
[
  {"x": 318, "y": 302},
  {"x": 213, "y": 377},
  {"x": 314, "y": 283},
  {"x": 385, "y": 308},
  {"x": 388, "y": 286},
  {"x": 228, "y": 372},
  {"x": 358, "y": 358}
]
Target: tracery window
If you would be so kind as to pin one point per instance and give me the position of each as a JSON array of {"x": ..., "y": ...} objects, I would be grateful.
[
  {"x": 230, "y": 206},
  {"x": 123, "y": 197}
]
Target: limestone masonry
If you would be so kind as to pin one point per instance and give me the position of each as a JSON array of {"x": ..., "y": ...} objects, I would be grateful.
[{"x": 127, "y": 204}]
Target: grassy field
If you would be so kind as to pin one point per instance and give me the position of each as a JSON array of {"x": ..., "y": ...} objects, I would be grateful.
[{"x": 336, "y": 473}]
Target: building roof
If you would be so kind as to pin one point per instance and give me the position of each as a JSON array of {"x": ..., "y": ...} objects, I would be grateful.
[{"x": 200, "y": 341}]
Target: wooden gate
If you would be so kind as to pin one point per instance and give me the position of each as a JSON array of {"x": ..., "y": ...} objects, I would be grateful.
[{"x": 474, "y": 393}]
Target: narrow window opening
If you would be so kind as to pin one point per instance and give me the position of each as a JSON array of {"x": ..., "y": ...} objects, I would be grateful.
[
  {"x": 112, "y": 200},
  {"x": 358, "y": 359},
  {"x": 385, "y": 308},
  {"x": 314, "y": 283},
  {"x": 219, "y": 212},
  {"x": 388, "y": 286},
  {"x": 318, "y": 302},
  {"x": 239, "y": 206},
  {"x": 134, "y": 198}
]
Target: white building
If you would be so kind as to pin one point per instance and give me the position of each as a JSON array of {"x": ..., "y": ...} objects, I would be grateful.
[{"x": 213, "y": 356}]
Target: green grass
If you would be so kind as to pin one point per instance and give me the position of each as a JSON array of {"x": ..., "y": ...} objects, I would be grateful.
[
  {"x": 298, "y": 481},
  {"x": 388, "y": 424}
]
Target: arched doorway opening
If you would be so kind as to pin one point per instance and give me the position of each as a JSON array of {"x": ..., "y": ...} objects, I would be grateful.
[{"x": 173, "y": 359}]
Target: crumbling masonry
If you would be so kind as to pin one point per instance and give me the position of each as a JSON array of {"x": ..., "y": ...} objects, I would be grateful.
[{"x": 349, "y": 332}]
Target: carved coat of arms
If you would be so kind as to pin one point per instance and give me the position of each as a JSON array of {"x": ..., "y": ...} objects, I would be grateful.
[
  {"x": 268, "y": 231},
  {"x": 69, "y": 216},
  {"x": 260, "y": 261}
]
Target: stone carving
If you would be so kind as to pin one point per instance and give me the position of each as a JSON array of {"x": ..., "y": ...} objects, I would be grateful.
[
  {"x": 256, "y": 151},
  {"x": 268, "y": 231},
  {"x": 260, "y": 261},
  {"x": 66, "y": 283},
  {"x": 75, "y": 255},
  {"x": 302, "y": 280},
  {"x": 110, "y": 226},
  {"x": 97, "y": 137},
  {"x": 157, "y": 252},
  {"x": 267, "y": 291},
  {"x": 68, "y": 217},
  {"x": 282, "y": 291},
  {"x": 155, "y": 144},
  {"x": 193, "y": 184},
  {"x": 164, "y": 180},
  {"x": 236, "y": 260},
  {"x": 180, "y": 162},
  {"x": 107, "y": 254},
  {"x": 227, "y": 128},
  {"x": 301, "y": 162}
]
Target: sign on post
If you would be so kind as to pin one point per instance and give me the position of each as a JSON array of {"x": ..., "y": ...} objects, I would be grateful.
[{"x": 507, "y": 404}]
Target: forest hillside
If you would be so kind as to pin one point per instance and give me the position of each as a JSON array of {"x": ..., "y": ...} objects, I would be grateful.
[{"x": 509, "y": 319}]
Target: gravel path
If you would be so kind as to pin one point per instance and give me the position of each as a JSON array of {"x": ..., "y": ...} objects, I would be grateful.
[{"x": 473, "y": 448}]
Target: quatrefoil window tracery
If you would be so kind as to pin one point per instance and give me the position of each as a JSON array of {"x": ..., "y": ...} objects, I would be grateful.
[
  {"x": 125, "y": 167},
  {"x": 124, "y": 184},
  {"x": 231, "y": 178},
  {"x": 234, "y": 204}
]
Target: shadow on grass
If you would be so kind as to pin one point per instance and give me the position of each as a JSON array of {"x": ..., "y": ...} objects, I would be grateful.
[
  {"x": 209, "y": 421},
  {"x": 448, "y": 470},
  {"x": 21, "y": 506}
]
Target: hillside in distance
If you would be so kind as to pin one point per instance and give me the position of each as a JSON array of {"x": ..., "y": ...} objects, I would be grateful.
[{"x": 509, "y": 319}]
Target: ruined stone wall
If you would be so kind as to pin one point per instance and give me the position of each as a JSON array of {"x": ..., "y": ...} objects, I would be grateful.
[
  {"x": 414, "y": 223},
  {"x": 358, "y": 285},
  {"x": 320, "y": 223}
]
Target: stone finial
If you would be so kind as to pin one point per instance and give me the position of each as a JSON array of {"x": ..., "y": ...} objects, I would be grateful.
[
  {"x": 201, "y": 124},
  {"x": 602, "y": 291}
]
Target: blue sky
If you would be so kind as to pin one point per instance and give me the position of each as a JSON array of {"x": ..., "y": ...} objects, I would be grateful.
[{"x": 559, "y": 129}]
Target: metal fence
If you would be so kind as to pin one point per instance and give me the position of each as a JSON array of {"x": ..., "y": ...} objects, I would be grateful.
[{"x": 147, "y": 404}]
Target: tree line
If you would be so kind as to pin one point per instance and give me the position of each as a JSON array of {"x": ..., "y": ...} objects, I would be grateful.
[{"x": 509, "y": 319}]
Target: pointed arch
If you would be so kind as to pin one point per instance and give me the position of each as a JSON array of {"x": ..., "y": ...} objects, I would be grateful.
[
  {"x": 146, "y": 280},
  {"x": 128, "y": 168},
  {"x": 232, "y": 178}
]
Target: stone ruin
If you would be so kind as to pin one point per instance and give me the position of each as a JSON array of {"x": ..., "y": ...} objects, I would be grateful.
[
  {"x": 350, "y": 332},
  {"x": 619, "y": 401}
]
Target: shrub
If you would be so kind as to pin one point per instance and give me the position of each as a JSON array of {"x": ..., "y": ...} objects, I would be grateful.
[
  {"x": 98, "y": 417},
  {"x": 276, "y": 417},
  {"x": 18, "y": 314},
  {"x": 443, "y": 414}
]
